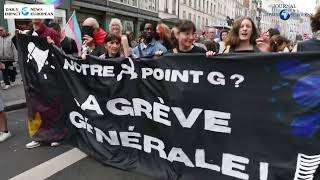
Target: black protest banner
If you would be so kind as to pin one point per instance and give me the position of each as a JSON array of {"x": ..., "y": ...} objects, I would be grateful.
[{"x": 180, "y": 116}]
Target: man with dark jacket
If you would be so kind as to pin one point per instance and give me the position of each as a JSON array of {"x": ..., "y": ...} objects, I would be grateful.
[
  {"x": 68, "y": 45},
  {"x": 314, "y": 43},
  {"x": 8, "y": 55},
  {"x": 211, "y": 37}
]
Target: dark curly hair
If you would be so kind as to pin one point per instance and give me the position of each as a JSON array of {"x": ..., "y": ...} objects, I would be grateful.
[
  {"x": 315, "y": 21},
  {"x": 276, "y": 41}
]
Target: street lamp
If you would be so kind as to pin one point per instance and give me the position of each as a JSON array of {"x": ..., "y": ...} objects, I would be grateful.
[{"x": 230, "y": 21}]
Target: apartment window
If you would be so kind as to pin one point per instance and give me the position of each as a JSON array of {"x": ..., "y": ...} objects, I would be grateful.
[
  {"x": 207, "y": 22},
  {"x": 214, "y": 10},
  {"x": 207, "y": 6},
  {"x": 194, "y": 19},
  {"x": 190, "y": 3},
  {"x": 198, "y": 22},
  {"x": 174, "y": 3},
  {"x": 184, "y": 15},
  {"x": 204, "y": 3},
  {"x": 189, "y": 16},
  {"x": 211, "y": 8},
  {"x": 166, "y": 7},
  {"x": 184, "y": 1},
  {"x": 195, "y": 3},
  {"x": 202, "y": 21},
  {"x": 199, "y": 6}
]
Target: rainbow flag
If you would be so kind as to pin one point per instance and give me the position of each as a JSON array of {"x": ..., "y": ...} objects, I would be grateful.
[
  {"x": 72, "y": 30},
  {"x": 56, "y": 3}
]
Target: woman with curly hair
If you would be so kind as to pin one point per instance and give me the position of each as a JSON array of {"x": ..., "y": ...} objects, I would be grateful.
[{"x": 278, "y": 43}]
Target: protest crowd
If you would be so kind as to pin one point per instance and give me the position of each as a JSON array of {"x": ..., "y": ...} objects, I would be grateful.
[{"x": 155, "y": 40}]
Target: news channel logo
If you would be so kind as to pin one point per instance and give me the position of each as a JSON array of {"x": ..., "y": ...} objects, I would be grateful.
[
  {"x": 284, "y": 14},
  {"x": 25, "y": 11}
]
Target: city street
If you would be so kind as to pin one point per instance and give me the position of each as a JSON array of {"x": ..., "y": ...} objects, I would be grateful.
[
  {"x": 18, "y": 162},
  {"x": 175, "y": 90}
]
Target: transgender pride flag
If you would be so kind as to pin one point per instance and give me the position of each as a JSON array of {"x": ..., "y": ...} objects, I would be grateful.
[{"x": 72, "y": 30}]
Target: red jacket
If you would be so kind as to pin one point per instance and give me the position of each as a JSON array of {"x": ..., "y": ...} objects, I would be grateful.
[
  {"x": 45, "y": 31},
  {"x": 99, "y": 37}
]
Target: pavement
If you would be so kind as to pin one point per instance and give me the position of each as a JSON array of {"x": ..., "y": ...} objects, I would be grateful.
[
  {"x": 51, "y": 163},
  {"x": 14, "y": 97}
]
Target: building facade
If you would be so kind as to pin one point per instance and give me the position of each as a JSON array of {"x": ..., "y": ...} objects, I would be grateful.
[
  {"x": 202, "y": 12},
  {"x": 132, "y": 13},
  {"x": 168, "y": 9},
  {"x": 292, "y": 28},
  {"x": 254, "y": 11}
]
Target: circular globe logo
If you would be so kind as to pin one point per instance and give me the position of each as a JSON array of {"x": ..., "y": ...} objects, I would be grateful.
[
  {"x": 284, "y": 14},
  {"x": 25, "y": 11}
]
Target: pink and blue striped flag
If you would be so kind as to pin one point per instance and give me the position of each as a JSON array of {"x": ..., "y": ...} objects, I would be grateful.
[{"x": 72, "y": 30}]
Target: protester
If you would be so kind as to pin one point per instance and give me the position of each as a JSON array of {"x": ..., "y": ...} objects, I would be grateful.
[
  {"x": 98, "y": 34},
  {"x": 68, "y": 45},
  {"x": 8, "y": 55},
  {"x": 185, "y": 37},
  {"x": 197, "y": 42},
  {"x": 314, "y": 43},
  {"x": 271, "y": 32},
  {"x": 263, "y": 42},
  {"x": 211, "y": 37},
  {"x": 42, "y": 30},
  {"x": 242, "y": 37},
  {"x": 174, "y": 40},
  {"x": 149, "y": 46},
  {"x": 164, "y": 35},
  {"x": 278, "y": 43},
  {"x": 4, "y": 133},
  {"x": 223, "y": 39},
  {"x": 112, "y": 46},
  {"x": 132, "y": 42},
  {"x": 210, "y": 46},
  {"x": 93, "y": 38},
  {"x": 116, "y": 27}
]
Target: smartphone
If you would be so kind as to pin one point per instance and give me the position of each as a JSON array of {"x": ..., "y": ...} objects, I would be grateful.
[{"x": 87, "y": 30}]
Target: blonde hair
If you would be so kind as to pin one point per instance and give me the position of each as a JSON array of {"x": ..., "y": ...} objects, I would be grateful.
[{"x": 115, "y": 21}]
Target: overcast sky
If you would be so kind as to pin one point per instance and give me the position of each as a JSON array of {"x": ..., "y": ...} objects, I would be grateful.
[{"x": 303, "y": 5}]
